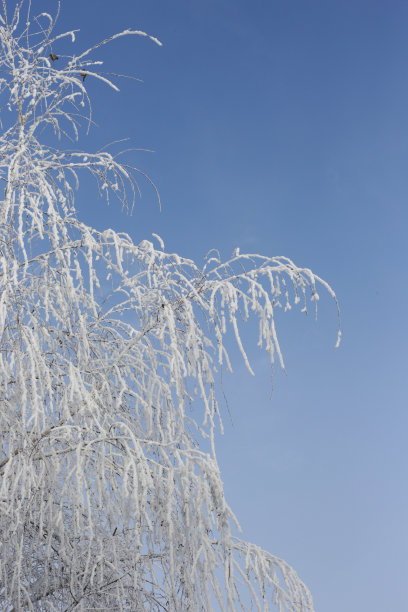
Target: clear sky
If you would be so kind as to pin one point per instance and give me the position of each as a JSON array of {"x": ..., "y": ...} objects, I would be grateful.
[{"x": 281, "y": 127}]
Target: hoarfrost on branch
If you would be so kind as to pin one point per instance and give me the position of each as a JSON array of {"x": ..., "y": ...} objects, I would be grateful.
[{"x": 109, "y": 353}]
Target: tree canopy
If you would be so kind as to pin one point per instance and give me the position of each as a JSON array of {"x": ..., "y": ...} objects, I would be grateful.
[{"x": 110, "y": 491}]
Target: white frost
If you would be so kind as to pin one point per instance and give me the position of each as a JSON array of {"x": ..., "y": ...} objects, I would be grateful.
[{"x": 109, "y": 383}]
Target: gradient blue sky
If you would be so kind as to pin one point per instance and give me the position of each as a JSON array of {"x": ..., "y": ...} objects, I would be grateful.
[{"x": 280, "y": 126}]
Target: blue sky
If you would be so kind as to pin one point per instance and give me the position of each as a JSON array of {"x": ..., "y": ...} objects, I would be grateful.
[{"x": 280, "y": 126}]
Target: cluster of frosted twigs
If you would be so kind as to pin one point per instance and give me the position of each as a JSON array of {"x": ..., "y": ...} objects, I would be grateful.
[{"x": 109, "y": 353}]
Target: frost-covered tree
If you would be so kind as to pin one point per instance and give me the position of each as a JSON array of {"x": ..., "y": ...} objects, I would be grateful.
[{"x": 110, "y": 352}]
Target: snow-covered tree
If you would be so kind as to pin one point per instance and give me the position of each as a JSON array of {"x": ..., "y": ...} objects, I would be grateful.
[{"x": 110, "y": 353}]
